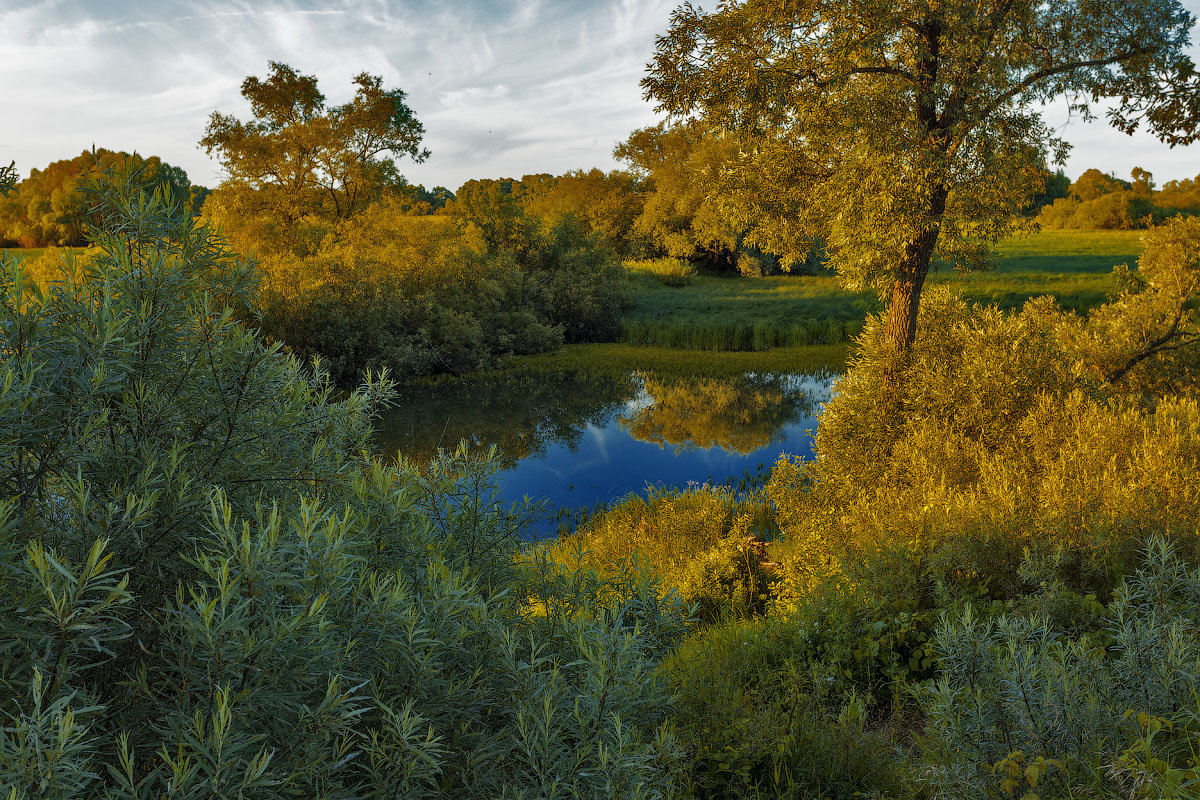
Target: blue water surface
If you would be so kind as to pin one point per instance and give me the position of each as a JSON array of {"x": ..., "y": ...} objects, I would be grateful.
[{"x": 574, "y": 444}]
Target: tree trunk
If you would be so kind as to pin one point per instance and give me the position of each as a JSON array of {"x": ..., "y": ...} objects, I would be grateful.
[{"x": 900, "y": 327}]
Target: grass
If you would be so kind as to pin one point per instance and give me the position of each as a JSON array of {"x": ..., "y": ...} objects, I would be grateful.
[
  {"x": 620, "y": 359},
  {"x": 667, "y": 271},
  {"x": 736, "y": 313},
  {"x": 744, "y": 313},
  {"x": 1074, "y": 266}
]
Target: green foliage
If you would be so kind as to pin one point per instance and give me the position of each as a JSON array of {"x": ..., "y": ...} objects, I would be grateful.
[
  {"x": 296, "y": 157},
  {"x": 210, "y": 592},
  {"x": 702, "y": 544},
  {"x": 758, "y": 719},
  {"x": 681, "y": 214},
  {"x": 668, "y": 271},
  {"x": 8, "y": 178},
  {"x": 726, "y": 314},
  {"x": 1113, "y": 713},
  {"x": 895, "y": 135},
  {"x": 421, "y": 294},
  {"x": 735, "y": 336},
  {"x": 1040, "y": 430},
  {"x": 620, "y": 359},
  {"x": 1057, "y": 185},
  {"x": 1097, "y": 201},
  {"x": 605, "y": 204}
]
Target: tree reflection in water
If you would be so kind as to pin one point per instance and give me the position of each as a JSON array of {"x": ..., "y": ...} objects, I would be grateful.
[
  {"x": 740, "y": 414},
  {"x": 524, "y": 413},
  {"x": 520, "y": 413}
]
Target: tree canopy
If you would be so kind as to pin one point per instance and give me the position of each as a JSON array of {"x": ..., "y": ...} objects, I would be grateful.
[
  {"x": 304, "y": 157},
  {"x": 48, "y": 208},
  {"x": 683, "y": 214},
  {"x": 901, "y": 132}
]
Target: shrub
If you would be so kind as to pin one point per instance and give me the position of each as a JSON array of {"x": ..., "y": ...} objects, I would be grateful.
[
  {"x": 702, "y": 544},
  {"x": 667, "y": 271},
  {"x": 1106, "y": 714},
  {"x": 210, "y": 592},
  {"x": 1033, "y": 430},
  {"x": 424, "y": 294},
  {"x": 756, "y": 718}
]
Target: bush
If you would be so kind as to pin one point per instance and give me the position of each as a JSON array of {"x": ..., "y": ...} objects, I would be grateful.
[
  {"x": 667, "y": 271},
  {"x": 757, "y": 719},
  {"x": 210, "y": 592},
  {"x": 1117, "y": 210},
  {"x": 1034, "y": 430},
  {"x": 424, "y": 294},
  {"x": 1020, "y": 707},
  {"x": 701, "y": 543}
]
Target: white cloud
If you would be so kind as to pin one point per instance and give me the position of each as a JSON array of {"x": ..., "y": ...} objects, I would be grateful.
[{"x": 503, "y": 88}]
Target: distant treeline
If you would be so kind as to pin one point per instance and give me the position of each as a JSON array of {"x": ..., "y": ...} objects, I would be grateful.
[
  {"x": 49, "y": 208},
  {"x": 1100, "y": 201}
]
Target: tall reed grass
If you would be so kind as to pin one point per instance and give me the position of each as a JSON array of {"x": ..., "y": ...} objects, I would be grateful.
[{"x": 718, "y": 336}]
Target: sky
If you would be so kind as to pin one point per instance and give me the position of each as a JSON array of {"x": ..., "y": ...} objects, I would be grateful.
[{"x": 504, "y": 88}]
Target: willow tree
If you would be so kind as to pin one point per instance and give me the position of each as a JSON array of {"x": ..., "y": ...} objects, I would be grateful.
[{"x": 900, "y": 132}]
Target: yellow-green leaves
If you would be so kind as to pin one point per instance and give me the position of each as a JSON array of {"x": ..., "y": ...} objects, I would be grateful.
[
  {"x": 303, "y": 158},
  {"x": 896, "y": 133}
]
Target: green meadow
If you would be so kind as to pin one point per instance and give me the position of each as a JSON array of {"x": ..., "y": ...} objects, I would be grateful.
[{"x": 738, "y": 313}]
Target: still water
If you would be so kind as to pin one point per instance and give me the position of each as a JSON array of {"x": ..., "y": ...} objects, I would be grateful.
[{"x": 580, "y": 440}]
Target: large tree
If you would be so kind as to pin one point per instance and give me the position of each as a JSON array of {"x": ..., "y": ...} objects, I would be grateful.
[
  {"x": 904, "y": 131},
  {"x": 302, "y": 157}
]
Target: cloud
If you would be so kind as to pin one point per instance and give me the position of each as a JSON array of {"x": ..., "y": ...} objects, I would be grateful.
[{"x": 503, "y": 88}]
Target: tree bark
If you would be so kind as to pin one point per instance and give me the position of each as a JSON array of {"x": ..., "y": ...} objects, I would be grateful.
[{"x": 900, "y": 328}]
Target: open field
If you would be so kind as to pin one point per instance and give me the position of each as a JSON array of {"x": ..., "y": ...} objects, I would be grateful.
[
  {"x": 1074, "y": 266},
  {"x": 737, "y": 313},
  {"x": 790, "y": 312}
]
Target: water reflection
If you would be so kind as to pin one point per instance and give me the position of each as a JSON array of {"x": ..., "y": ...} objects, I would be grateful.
[
  {"x": 740, "y": 414},
  {"x": 577, "y": 440},
  {"x": 521, "y": 413}
]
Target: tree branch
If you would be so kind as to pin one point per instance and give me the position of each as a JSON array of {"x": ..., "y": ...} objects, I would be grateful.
[
  {"x": 1049, "y": 72},
  {"x": 1160, "y": 345}
]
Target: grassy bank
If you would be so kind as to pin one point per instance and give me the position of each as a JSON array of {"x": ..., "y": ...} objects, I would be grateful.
[
  {"x": 675, "y": 361},
  {"x": 735, "y": 313},
  {"x": 38, "y": 252},
  {"x": 621, "y": 358}
]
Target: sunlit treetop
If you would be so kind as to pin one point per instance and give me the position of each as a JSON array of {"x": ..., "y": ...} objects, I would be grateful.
[
  {"x": 898, "y": 132},
  {"x": 335, "y": 159}
]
